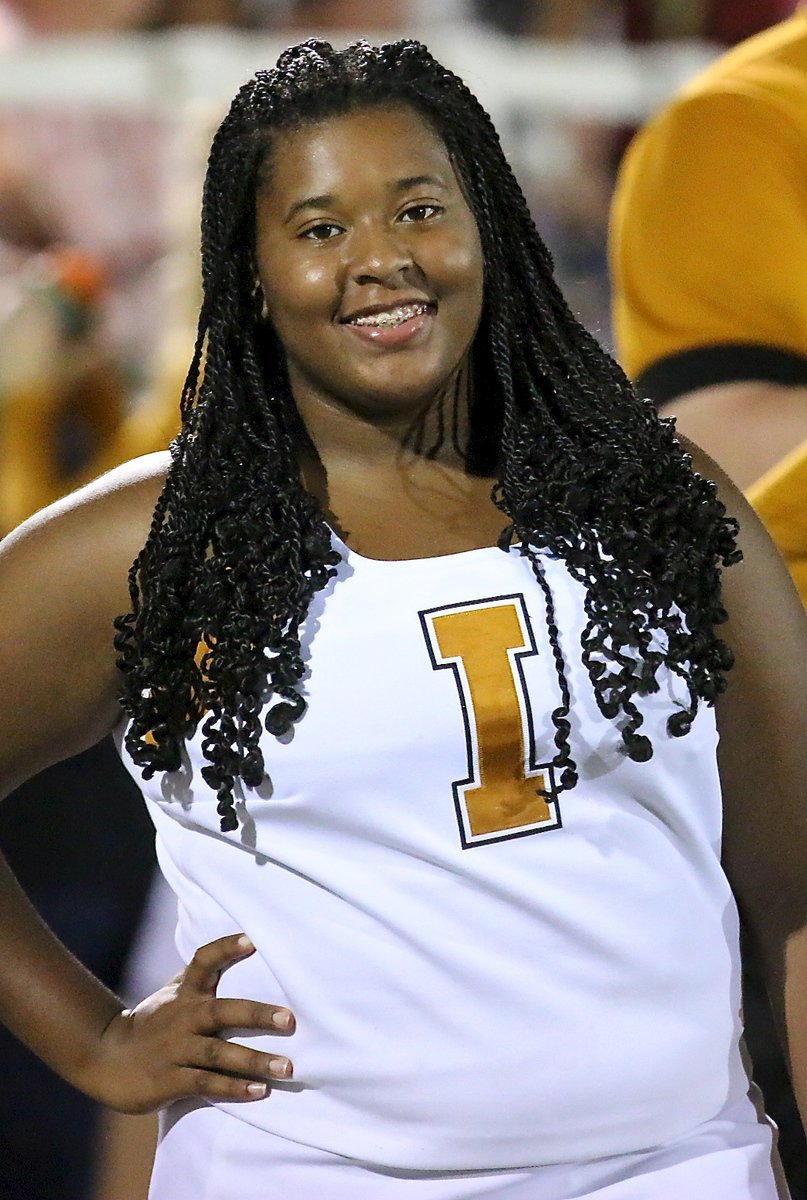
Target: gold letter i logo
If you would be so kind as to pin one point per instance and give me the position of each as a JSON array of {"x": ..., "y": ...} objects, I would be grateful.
[{"x": 506, "y": 793}]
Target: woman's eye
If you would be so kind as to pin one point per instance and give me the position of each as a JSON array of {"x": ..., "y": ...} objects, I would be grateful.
[
  {"x": 420, "y": 212},
  {"x": 323, "y": 232}
]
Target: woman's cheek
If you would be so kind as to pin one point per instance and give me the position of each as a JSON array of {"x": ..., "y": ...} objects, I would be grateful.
[
  {"x": 461, "y": 264},
  {"x": 304, "y": 287},
  {"x": 316, "y": 276}
]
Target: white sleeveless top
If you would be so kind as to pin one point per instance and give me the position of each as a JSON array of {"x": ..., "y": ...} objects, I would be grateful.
[{"x": 484, "y": 974}]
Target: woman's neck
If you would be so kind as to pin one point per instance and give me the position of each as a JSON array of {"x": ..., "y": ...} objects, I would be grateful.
[{"x": 344, "y": 439}]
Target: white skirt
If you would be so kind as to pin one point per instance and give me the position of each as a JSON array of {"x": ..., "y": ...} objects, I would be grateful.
[{"x": 206, "y": 1154}]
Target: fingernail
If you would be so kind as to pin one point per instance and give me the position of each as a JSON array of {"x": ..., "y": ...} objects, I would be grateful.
[
  {"x": 280, "y": 1068},
  {"x": 244, "y": 943},
  {"x": 256, "y": 1089},
  {"x": 283, "y": 1019}
]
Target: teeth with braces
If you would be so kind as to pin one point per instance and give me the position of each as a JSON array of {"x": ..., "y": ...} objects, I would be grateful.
[{"x": 395, "y": 316}]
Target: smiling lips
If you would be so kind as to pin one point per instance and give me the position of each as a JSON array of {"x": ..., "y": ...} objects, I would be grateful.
[{"x": 392, "y": 326}]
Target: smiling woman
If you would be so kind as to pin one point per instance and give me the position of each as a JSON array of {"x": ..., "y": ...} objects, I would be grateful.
[{"x": 421, "y": 580}]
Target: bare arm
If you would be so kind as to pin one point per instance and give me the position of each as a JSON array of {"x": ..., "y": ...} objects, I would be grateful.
[
  {"x": 126, "y": 1149},
  {"x": 746, "y": 427},
  {"x": 763, "y": 769},
  {"x": 62, "y": 581}
]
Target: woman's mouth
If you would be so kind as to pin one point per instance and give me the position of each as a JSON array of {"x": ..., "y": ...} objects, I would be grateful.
[{"x": 393, "y": 326}]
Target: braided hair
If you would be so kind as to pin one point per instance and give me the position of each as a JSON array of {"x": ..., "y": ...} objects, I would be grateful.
[{"x": 584, "y": 470}]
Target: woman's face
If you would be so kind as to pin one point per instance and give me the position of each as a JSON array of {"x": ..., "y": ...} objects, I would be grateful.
[{"x": 370, "y": 261}]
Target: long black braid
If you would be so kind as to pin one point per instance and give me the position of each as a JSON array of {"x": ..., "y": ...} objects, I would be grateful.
[{"x": 586, "y": 471}]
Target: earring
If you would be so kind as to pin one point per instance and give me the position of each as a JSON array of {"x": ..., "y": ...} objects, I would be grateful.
[{"x": 260, "y": 309}]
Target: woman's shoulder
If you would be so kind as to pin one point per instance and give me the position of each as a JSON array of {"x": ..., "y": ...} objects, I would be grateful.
[
  {"x": 115, "y": 508},
  {"x": 68, "y": 564},
  {"x": 137, "y": 483}
]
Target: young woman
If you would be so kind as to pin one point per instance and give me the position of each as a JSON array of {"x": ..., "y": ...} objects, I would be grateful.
[{"x": 419, "y": 669}]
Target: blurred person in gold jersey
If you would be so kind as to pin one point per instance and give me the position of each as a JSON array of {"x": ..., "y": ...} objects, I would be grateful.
[
  {"x": 81, "y": 239},
  {"x": 90, "y": 239},
  {"x": 709, "y": 263}
]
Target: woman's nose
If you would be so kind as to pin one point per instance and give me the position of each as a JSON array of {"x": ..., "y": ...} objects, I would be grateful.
[{"x": 378, "y": 254}]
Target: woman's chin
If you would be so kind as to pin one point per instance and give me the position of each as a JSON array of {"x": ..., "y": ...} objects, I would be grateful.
[
  {"x": 395, "y": 406},
  {"x": 399, "y": 394}
]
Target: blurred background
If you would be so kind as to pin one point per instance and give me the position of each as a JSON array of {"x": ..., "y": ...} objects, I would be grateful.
[{"x": 106, "y": 111}]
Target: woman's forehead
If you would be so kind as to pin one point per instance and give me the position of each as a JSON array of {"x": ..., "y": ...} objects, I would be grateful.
[{"x": 369, "y": 145}]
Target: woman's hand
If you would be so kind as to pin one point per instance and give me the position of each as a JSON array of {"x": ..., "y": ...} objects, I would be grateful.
[{"x": 171, "y": 1046}]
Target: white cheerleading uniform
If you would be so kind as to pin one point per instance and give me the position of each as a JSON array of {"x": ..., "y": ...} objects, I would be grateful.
[{"x": 493, "y": 982}]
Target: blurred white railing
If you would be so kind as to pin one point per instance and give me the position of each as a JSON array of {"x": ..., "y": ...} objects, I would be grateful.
[{"x": 604, "y": 81}]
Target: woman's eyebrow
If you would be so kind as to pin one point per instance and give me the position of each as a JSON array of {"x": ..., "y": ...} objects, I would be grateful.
[
  {"x": 410, "y": 181},
  {"x": 328, "y": 198},
  {"x": 309, "y": 202}
]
